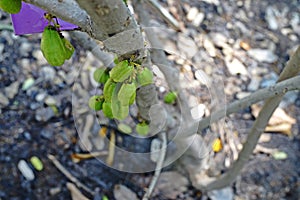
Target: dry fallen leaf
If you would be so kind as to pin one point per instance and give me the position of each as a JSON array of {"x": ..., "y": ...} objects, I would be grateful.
[
  {"x": 77, "y": 157},
  {"x": 280, "y": 121},
  {"x": 75, "y": 192},
  {"x": 217, "y": 145},
  {"x": 244, "y": 45}
]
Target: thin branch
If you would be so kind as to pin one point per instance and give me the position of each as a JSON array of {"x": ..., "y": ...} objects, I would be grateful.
[
  {"x": 164, "y": 14},
  {"x": 63, "y": 170},
  {"x": 291, "y": 69},
  {"x": 158, "y": 168},
  {"x": 90, "y": 44},
  {"x": 265, "y": 93}
]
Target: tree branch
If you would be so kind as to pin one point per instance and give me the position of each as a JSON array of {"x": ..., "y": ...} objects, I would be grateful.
[
  {"x": 265, "y": 93},
  {"x": 113, "y": 23},
  {"x": 292, "y": 69}
]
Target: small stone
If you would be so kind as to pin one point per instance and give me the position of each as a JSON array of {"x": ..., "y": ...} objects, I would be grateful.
[
  {"x": 263, "y": 55},
  {"x": 209, "y": 47},
  {"x": 12, "y": 90},
  {"x": 50, "y": 101},
  {"x": 48, "y": 73},
  {"x": 236, "y": 67},
  {"x": 271, "y": 19},
  {"x": 46, "y": 133},
  {"x": 25, "y": 48},
  {"x": 40, "y": 97},
  {"x": 44, "y": 114},
  {"x": 219, "y": 39},
  {"x": 3, "y": 100},
  {"x": 224, "y": 194},
  {"x": 198, "y": 19},
  {"x": 254, "y": 83},
  {"x": 27, "y": 135},
  {"x": 187, "y": 46},
  {"x": 28, "y": 83},
  {"x": 38, "y": 55},
  {"x": 26, "y": 170},
  {"x": 54, "y": 191},
  {"x": 192, "y": 14},
  {"x": 198, "y": 111}
]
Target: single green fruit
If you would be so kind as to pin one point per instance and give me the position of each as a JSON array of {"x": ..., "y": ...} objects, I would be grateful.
[
  {"x": 124, "y": 128},
  {"x": 108, "y": 89},
  {"x": 101, "y": 75},
  {"x": 69, "y": 49},
  {"x": 104, "y": 77},
  {"x": 11, "y": 6},
  {"x": 145, "y": 77},
  {"x": 106, "y": 109},
  {"x": 121, "y": 71},
  {"x": 36, "y": 163},
  {"x": 53, "y": 47},
  {"x": 170, "y": 97},
  {"x": 125, "y": 93},
  {"x": 96, "y": 102},
  {"x": 119, "y": 111},
  {"x": 98, "y": 73},
  {"x": 142, "y": 128}
]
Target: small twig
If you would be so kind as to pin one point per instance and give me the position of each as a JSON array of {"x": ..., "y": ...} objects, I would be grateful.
[
  {"x": 265, "y": 150},
  {"x": 63, "y": 170},
  {"x": 111, "y": 149},
  {"x": 164, "y": 14},
  {"x": 158, "y": 168}
]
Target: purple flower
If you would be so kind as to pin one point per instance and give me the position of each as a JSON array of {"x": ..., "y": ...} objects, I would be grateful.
[{"x": 31, "y": 20}]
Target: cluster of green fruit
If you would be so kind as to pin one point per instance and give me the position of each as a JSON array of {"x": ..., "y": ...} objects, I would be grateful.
[
  {"x": 55, "y": 48},
  {"x": 119, "y": 90},
  {"x": 11, "y": 6}
]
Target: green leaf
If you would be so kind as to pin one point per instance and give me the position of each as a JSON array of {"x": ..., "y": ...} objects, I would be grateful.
[
  {"x": 170, "y": 97},
  {"x": 142, "y": 128},
  {"x": 145, "y": 77},
  {"x": 96, "y": 102},
  {"x": 121, "y": 71},
  {"x": 11, "y": 6},
  {"x": 126, "y": 92},
  {"x": 53, "y": 47},
  {"x": 108, "y": 89},
  {"x": 106, "y": 109}
]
